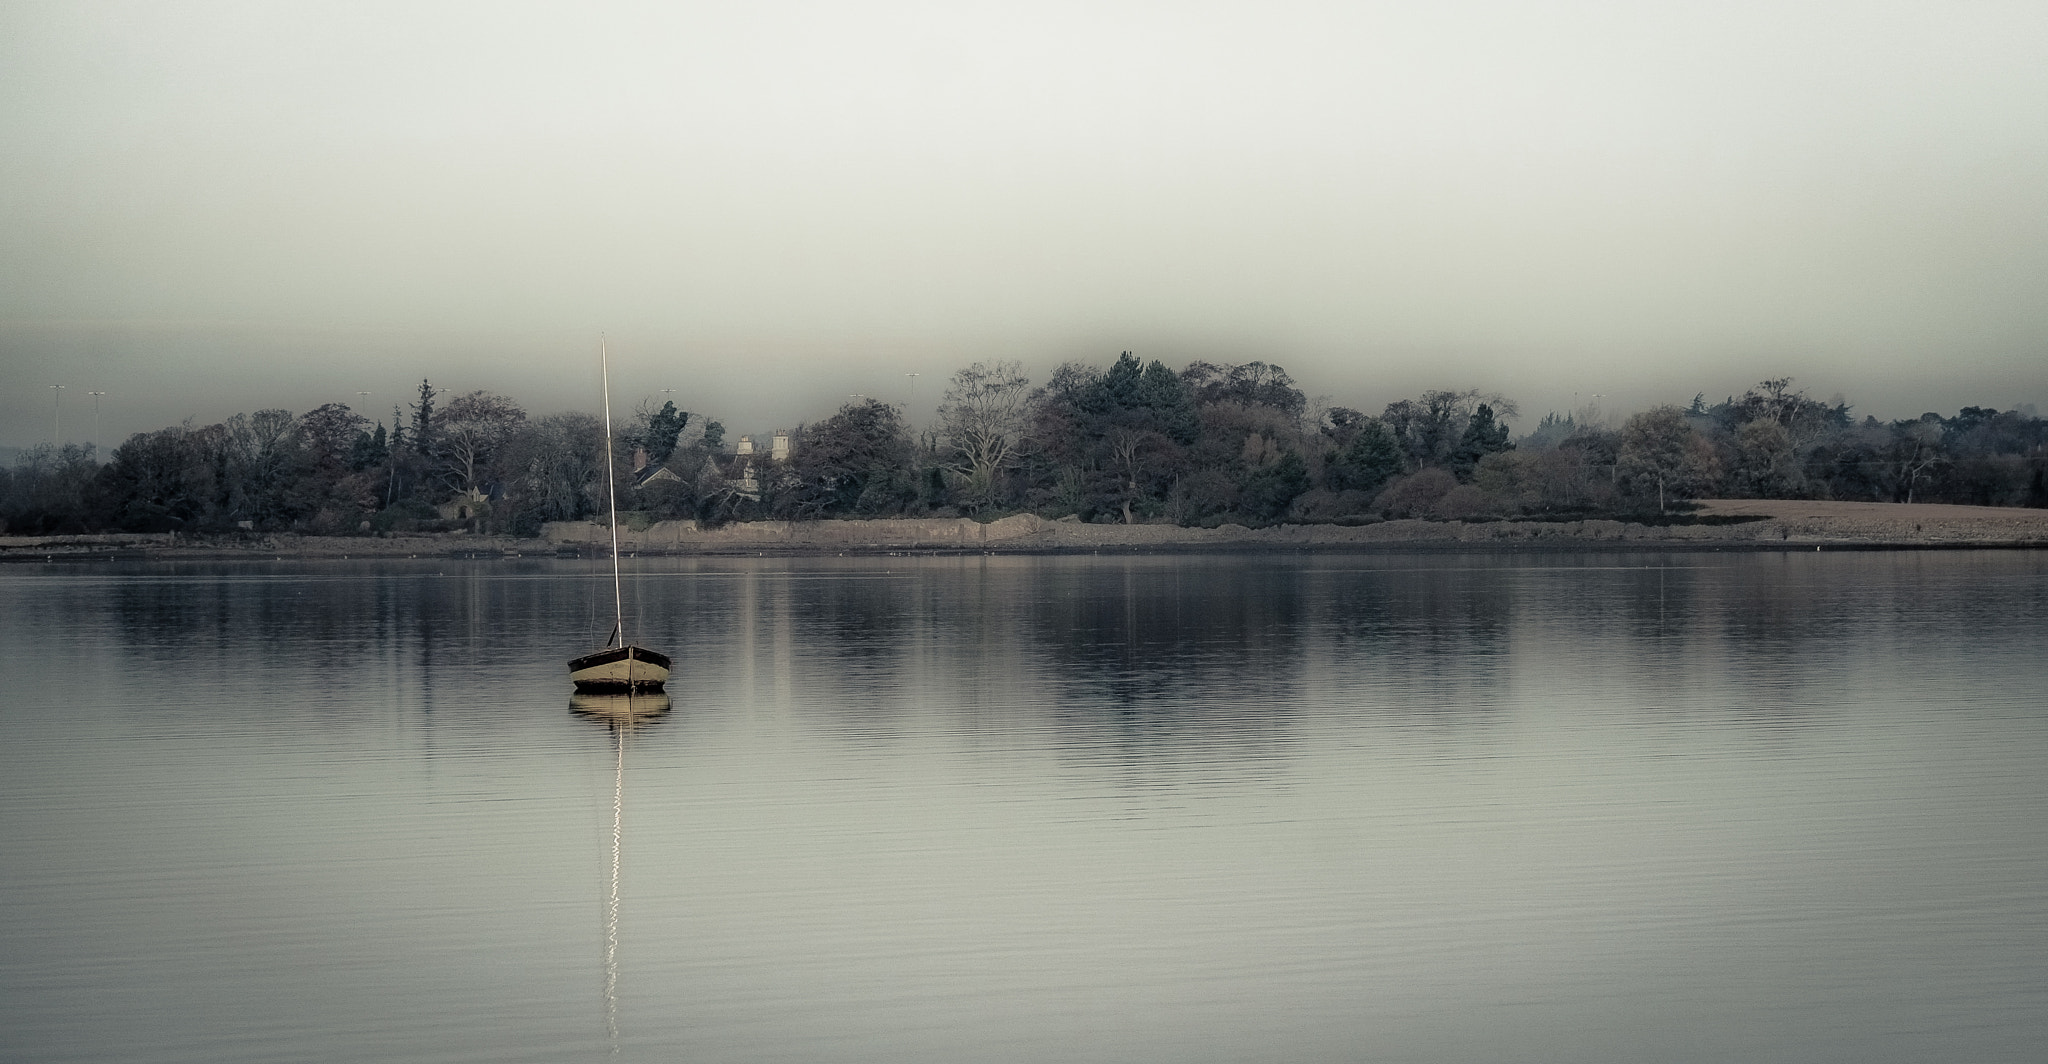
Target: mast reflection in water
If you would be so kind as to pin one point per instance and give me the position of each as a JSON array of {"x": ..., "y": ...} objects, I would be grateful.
[{"x": 621, "y": 714}]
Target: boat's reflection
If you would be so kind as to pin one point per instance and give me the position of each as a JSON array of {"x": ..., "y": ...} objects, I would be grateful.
[
  {"x": 620, "y": 710},
  {"x": 622, "y": 714}
]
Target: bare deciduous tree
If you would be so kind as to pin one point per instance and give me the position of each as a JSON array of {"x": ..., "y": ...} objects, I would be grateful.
[
  {"x": 1129, "y": 448},
  {"x": 983, "y": 421},
  {"x": 564, "y": 465},
  {"x": 261, "y": 449},
  {"x": 1913, "y": 455},
  {"x": 330, "y": 430},
  {"x": 469, "y": 431}
]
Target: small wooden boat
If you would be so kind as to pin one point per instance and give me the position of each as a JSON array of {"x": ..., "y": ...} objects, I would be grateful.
[
  {"x": 620, "y": 668},
  {"x": 618, "y": 665}
]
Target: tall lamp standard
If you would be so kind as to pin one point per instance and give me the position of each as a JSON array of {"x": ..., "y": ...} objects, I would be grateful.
[
  {"x": 95, "y": 417},
  {"x": 57, "y": 428}
]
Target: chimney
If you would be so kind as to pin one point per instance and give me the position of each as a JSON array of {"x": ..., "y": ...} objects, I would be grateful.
[{"x": 639, "y": 459}]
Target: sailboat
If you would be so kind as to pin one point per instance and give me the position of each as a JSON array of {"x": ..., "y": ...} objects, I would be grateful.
[{"x": 618, "y": 665}]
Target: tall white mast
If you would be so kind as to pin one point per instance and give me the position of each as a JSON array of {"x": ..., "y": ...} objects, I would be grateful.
[{"x": 612, "y": 489}]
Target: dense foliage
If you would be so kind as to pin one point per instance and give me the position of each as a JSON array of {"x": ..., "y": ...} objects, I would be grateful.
[{"x": 1129, "y": 442}]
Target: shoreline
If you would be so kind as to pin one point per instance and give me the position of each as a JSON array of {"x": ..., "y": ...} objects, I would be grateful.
[{"x": 1735, "y": 524}]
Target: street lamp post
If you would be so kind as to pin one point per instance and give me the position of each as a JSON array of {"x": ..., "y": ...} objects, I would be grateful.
[
  {"x": 57, "y": 427},
  {"x": 95, "y": 417}
]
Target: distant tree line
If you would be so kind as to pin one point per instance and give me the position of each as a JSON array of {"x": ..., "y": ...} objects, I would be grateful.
[{"x": 1130, "y": 442}]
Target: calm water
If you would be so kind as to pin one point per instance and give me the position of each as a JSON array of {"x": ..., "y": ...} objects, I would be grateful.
[{"x": 1636, "y": 808}]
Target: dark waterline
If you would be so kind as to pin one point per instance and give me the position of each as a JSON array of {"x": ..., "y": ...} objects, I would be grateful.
[{"x": 1433, "y": 808}]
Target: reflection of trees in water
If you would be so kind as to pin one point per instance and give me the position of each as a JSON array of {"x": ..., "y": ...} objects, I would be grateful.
[
  {"x": 1798, "y": 628},
  {"x": 856, "y": 617},
  {"x": 1774, "y": 642},
  {"x": 1635, "y": 633},
  {"x": 262, "y": 630},
  {"x": 330, "y": 627},
  {"x": 1147, "y": 633},
  {"x": 1419, "y": 643},
  {"x": 1147, "y": 662},
  {"x": 853, "y": 645},
  {"x": 1685, "y": 624},
  {"x": 1759, "y": 640},
  {"x": 1163, "y": 658},
  {"x": 846, "y": 638},
  {"x": 1148, "y": 652},
  {"x": 1170, "y": 658},
  {"x": 1659, "y": 603}
]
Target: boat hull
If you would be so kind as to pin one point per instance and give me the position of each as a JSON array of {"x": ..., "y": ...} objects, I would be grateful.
[{"x": 626, "y": 668}]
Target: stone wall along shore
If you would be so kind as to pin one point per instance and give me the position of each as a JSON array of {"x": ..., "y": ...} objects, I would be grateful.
[{"x": 1736, "y": 524}]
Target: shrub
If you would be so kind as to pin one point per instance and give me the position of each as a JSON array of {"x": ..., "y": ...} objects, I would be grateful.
[{"x": 1417, "y": 495}]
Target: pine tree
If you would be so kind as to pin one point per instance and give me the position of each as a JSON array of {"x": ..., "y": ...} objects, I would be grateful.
[
  {"x": 1483, "y": 436},
  {"x": 423, "y": 418},
  {"x": 1372, "y": 458}
]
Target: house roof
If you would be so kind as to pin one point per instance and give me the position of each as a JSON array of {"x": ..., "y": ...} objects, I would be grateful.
[{"x": 652, "y": 473}]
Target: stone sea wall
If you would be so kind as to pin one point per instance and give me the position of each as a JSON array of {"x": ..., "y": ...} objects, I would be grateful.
[
  {"x": 1739, "y": 524},
  {"x": 1731, "y": 525}
]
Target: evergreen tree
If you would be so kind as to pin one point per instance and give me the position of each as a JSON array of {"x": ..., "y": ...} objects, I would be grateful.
[
  {"x": 1483, "y": 436},
  {"x": 1365, "y": 464},
  {"x": 423, "y": 419},
  {"x": 1117, "y": 389},
  {"x": 1165, "y": 398},
  {"x": 1268, "y": 492},
  {"x": 369, "y": 449},
  {"x": 663, "y": 427}
]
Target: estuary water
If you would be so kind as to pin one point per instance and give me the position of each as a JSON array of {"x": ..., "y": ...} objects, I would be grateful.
[{"x": 1687, "y": 807}]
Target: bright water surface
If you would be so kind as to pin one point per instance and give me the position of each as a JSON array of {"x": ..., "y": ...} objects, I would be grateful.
[{"x": 1778, "y": 807}]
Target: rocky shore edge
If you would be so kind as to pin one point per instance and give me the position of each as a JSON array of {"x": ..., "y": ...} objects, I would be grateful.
[{"x": 1745, "y": 524}]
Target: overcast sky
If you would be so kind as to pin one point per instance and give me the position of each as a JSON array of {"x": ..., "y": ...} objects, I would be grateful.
[{"x": 212, "y": 207}]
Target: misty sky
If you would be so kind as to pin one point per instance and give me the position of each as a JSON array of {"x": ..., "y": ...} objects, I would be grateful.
[{"x": 212, "y": 207}]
